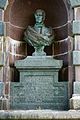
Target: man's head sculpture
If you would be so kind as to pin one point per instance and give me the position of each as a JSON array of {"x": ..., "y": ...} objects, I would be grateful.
[
  {"x": 39, "y": 16},
  {"x": 39, "y": 35}
]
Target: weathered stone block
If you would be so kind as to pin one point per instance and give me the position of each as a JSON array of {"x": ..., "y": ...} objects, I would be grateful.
[
  {"x": 76, "y": 88},
  {"x": 5, "y": 105},
  {"x": 7, "y": 88},
  {"x": 75, "y": 100},
  {"x": 1, "y": 59},
  {"x": 1, "y": 28},
  {"x": 75, "y": 103},
  {"x": 75, "y": 3},
  {"x": 1, "y": 74},
  {"x": 76, "y": 57},
  {"x": 77, "y": 42},
  {"x": 9, "y": 73},
  {"x": 1, "y": 15},
  {"x": 1, "y": 107},
  {"x": 77, "y": 73},
  {"x": 1, "y": 88},
  {"x": 76, "y": 27},
  {"x": 3, "y": 4},
  {"x": 77, "y": 13}
]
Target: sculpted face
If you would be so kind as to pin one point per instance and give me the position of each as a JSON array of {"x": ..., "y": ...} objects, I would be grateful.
[{"x": 39, "y": 16}]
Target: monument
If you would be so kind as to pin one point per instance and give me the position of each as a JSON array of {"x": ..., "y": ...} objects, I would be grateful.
[{"x": 39, "y": 87}]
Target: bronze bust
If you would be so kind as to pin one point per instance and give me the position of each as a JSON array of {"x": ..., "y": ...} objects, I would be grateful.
[{"x": 39, "y": 35}]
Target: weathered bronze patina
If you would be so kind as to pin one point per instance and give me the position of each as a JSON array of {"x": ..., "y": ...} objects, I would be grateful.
[{"x": 39, "y": 35}]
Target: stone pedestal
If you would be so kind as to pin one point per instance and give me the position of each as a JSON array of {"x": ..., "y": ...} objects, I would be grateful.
[{"x": 39, "y": 87}]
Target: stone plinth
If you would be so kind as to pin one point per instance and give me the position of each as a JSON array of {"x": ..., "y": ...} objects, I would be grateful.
[
  {"x": 75, "y": 100},
  {"x": 39, "y": 87}
]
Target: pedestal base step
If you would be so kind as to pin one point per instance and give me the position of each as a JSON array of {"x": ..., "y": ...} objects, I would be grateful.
[
  {"x": 40, "y": 114},
  {"x": 75, "y": 103}
]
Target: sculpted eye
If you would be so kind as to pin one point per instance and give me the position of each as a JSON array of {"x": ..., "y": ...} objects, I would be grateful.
[{"x": 39, "y": 15}]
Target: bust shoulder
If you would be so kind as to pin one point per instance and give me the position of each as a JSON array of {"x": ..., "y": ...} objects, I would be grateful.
[{"x": 48, "y": 31}]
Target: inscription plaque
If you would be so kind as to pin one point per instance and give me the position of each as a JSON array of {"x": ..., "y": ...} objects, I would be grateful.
[
  {"x": 39, "y": 88},
  {"x": 39, "y": 92}
]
